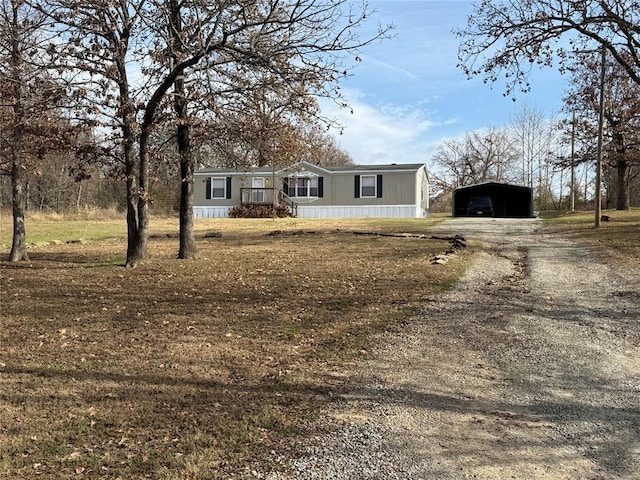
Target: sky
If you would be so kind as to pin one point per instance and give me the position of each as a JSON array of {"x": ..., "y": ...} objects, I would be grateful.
[{"x": 408, "y": 95}]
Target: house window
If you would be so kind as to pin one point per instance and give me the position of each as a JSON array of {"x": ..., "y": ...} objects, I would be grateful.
[
  {"x": 303, "y": 187},
  {"x": 368, "y": 186},
  {"x": 218, "y": 188}
]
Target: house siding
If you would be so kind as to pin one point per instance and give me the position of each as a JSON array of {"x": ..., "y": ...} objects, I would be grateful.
[
  {"x": 397, "y": 189},
  {"x": 404, "y": 193}
]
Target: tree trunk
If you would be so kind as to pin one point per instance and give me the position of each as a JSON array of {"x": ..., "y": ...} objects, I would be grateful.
[
  {"x": 19, "y": 243},
  {"x": 137, "y": 246},
  {"x": 19, "y": 200},
  {"x": 187, "y": 248},
  {"x": 133, "y": 183},
  {"x": 132, "y": 216},
  {"x": 622, "y": 202}
]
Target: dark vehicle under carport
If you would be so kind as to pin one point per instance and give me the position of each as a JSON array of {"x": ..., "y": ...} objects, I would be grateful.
[{"x": 508, "y": 200}]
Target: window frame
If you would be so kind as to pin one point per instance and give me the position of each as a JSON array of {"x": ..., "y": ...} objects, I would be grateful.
[
  {"x": 224, "y": 188},
  {"x": 374, "y": 186},
  {"x": 307, "y": 186}
]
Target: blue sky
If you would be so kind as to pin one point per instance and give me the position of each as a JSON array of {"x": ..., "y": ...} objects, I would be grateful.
[{"x": 408, "y": 95}]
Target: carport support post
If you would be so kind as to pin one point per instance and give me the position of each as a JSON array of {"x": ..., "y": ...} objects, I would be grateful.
[{"x": 598, "y": 199}]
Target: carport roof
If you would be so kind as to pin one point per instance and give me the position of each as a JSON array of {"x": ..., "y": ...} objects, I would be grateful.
[{"x": 489, "y": 183}]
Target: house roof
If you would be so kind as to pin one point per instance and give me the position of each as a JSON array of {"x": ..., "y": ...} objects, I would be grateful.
[
  {"x": 393, "y": 167},
  {"x": 377, "y": 168}
]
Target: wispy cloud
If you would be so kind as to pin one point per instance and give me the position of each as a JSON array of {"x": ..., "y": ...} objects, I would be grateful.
[{"x": 389, "y": 68}]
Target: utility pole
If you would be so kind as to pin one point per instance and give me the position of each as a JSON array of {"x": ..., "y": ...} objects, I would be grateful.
[
  {"x": 598, "y": 199},
  {"x": 573, "y": 163}
]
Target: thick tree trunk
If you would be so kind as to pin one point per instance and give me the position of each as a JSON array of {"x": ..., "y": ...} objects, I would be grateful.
[
  {"x": 139, "y": 243},
  {"x": 622, "y": 202},
  {"x": 133, "y": 181},
  {"x": 188, "y": 248},
  {"x": 19, "y": 243},
  {"x": 18, "y": 183},
  {"x": 132, "y": 209}
]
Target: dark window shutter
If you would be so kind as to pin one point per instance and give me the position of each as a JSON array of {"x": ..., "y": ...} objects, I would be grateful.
[
  {"x": 285, "y": 185},
  {"x": 357, "y": 186},
  {"x": 320, "y": 186},
  {"x": 208, "y": 189},
  {"x": 228, "y": 187},
  {"x": 379, "y": 186}
]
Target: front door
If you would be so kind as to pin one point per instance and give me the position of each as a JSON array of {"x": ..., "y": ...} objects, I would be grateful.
[{"x": 257, "y": 194}]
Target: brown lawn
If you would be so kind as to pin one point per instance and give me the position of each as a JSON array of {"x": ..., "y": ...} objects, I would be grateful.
[{"x": 191, "y": 369}]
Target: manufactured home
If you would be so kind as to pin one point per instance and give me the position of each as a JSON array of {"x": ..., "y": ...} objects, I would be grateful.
[{"x": 310, "y": 191}]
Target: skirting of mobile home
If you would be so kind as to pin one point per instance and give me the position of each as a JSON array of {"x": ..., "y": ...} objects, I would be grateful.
[{"x": 347, "y": 211}]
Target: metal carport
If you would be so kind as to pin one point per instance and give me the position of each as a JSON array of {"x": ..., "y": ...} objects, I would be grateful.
[{"x": 508, "y": 200}]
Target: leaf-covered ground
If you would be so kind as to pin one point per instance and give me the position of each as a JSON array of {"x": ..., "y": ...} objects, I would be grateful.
[{"x": 193, "y": 369}]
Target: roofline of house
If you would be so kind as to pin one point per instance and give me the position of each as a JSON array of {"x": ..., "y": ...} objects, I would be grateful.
[{"x": 357, "y": 169}]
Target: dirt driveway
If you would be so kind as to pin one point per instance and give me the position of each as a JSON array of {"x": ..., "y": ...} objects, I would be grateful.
[{"x": 528, "y": 369}]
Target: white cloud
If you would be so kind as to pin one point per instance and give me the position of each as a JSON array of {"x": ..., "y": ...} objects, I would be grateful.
[
  {"x": 379, "y": 135},
  {"x": 382, "y": 134}
]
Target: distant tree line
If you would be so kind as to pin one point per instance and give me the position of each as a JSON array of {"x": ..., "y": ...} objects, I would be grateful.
[{"x": 116, "y": 104}]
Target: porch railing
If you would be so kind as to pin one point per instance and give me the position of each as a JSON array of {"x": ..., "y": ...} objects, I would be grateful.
[
  {"x": 287, "y": 200},
  {"x": 260, "y": 196}
]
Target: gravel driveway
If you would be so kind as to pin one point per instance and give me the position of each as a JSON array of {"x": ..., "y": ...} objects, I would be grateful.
[{"x": 529, "y": 369}]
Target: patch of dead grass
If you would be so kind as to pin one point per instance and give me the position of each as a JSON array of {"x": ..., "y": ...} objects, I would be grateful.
[
  {"x": 616, "y": 240},
  {"x": 193, "y": 369}
]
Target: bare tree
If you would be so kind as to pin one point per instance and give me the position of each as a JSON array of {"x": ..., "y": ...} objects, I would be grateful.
[
  {"x": 508, "y": 38},
  {"x": 30, "y": 124},
  {"x": 621, "y": 114},
  {"x": 480, "y": 156},
  {"x": 265, "y": 74},
  {"x": 99, "y": 35},
  {"x": 531, "y": 131},
  {"x": 321, "y": 148},
  {"x": 536, "y": 141}
]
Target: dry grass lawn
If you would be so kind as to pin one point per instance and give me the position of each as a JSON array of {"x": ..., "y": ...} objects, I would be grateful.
[
  {"x": 208, "y": 368},
  {"x": 196, "y": 369},
  {"x": 617, "y": 240}
]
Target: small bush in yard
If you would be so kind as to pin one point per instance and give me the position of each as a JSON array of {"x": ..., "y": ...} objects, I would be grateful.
[{"x": 259, "y": 211}]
